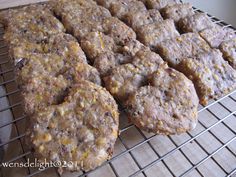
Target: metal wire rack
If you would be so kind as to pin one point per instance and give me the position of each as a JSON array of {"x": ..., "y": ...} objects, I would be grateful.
[{"x": 209, "y": 150}]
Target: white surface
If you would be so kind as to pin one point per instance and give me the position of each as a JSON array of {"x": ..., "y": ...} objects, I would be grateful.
[{"x": 223, "y": 9}]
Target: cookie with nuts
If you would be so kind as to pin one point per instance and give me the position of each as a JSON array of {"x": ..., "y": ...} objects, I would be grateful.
[
  {"x": 82, "y": 130},
  {"x": 167, "y": 106}
]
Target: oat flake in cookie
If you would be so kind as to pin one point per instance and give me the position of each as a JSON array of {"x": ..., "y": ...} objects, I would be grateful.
[
  {"x": 167, "y": 106},
  {"x": 83, "y": 129}
]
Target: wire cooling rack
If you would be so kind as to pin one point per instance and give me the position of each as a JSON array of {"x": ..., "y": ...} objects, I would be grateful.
[{"x": 209, "y": 150}]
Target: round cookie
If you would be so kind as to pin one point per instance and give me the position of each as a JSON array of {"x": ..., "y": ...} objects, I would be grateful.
[
  {"x": 167, "y": 106},
  {"x": 82, "y": 130}
]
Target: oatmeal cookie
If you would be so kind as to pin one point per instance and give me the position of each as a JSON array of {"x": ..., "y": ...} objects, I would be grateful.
[
  {"x": 83, "y": 129},
  {"x": 123, "y": 55},
  {"x": 212, "y": 76},
  {"x": 195, "y": 23},
  {"x": 73, "y": 18},
  {"x": 177, "y": 11},
  {"x": 60, "y": 44},
  {"x": 118, "y": 30},
  {"x": 127, "y": 78},
  {"x": 31, "y": 22},
  {"x": 138, "y": 19},
  {"x": 228, "y": 48},
  {"x": 96, "y": 43},
  {"x": 120, "y": 8},
  {"x": 44, "y": 79},
  {"x": 159, "y": 4},
  {"x": 154, "y": 33},
  {"x": 167, "y": 106},
  {"x": 183, "y": 46},
  {"x": 217, "y": 34}
]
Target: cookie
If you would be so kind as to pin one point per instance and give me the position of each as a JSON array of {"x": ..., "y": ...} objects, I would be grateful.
[
  {"x": 159, "y": 4},
  {"x": 167, "y": 106},
  {"x": 177, "y": 11},
  {"x": 118, "y": 30},
  {"x": 138, "y": 19},
  {"x": 212, "y": 76},
  {"x": 44, "y": 79},
  {"x": 61, "y": 44},
  {"x": 43, "y": 90},
  {"x": 30, "y": 22},
  {"x": 122, "y": 55},
  {"x": 82, "y": 130},
  {"x": 121, "y": 7},
  {"x": 217, "y": 34},
  {"x": 228, "y": 48},
  {"x": 96, "y": 43},
  {"x": 154, "y": 33},
  {"x": 185, "y": 45},
  {"x": 73, "y": 15},
  {"x": 125, "y": 79},
  {"x": 195, "y": 23}
]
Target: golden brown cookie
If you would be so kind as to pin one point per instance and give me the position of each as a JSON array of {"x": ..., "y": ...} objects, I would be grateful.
[
  {"x": 212, "y": 76},
  {"x": 228, "y": 48},
  {"x": 81, "y": 131},
  {"x": 167, "y": 106}
]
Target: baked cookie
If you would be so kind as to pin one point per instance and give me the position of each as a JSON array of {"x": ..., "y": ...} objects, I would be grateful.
[
  {"x": 177, "y": 11},
  {"x": 44, "y": 79},
  {"x": 118, "y": 30},
  {"x": 138, "y": 19},
  {"x": 123, "y": 55},
  {"x": 43, "y": 90},
  {"x": 73, "y": 15},
  {"x": 158, "y": 4},
  {"x": 195, "y": 23},
  {"x": 82, "y": 130},
  {"x": 167, "y": 106},
  {"x": 125, "y": 79},
  {"x": 61, "y": 44},
  {"x": 212, "y": 76},
  {"x": 35, "y": 65},
  {"x": 64, "y": 6},
  {"x": 217, "y": 34},
  {"x": 98, "y": 19},
  {"x": 107, "y": 61},
  {"x": 228, "y": 48},
  {"x": 33, "y": 22},
  {"x": 183, "y": 46},
  {"x": 96, "y": 43},
  {"x": 154, "y": 33},
  {"x": 120, "y": 8}
]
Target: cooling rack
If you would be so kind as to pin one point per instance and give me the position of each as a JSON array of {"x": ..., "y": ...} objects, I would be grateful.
[{"x": 209, "y": 150}]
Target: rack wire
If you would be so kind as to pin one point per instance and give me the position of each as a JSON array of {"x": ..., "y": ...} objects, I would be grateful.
[{"x": 209, "y": 150}]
